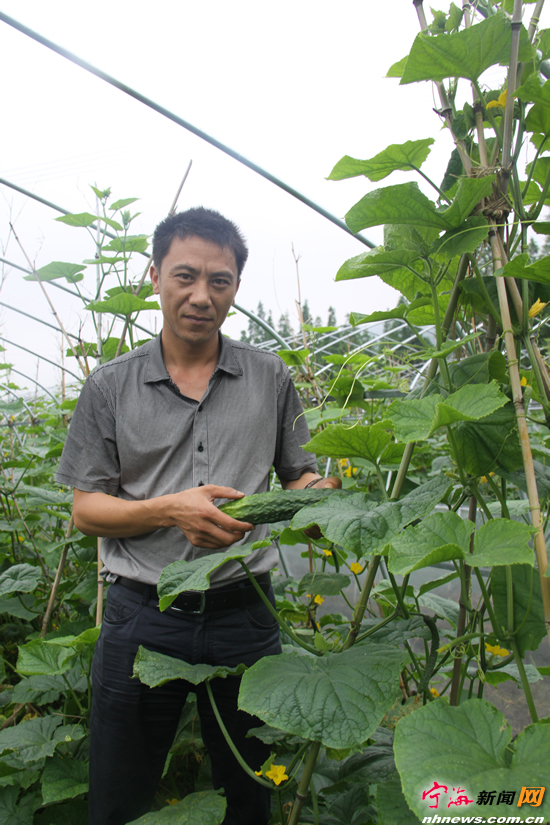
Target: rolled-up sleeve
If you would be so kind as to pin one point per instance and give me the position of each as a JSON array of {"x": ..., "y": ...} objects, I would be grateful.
[{"x": 291, "y": 460}]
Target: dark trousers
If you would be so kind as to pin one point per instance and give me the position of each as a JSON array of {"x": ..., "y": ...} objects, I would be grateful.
[{"x": 133, "y": 726}]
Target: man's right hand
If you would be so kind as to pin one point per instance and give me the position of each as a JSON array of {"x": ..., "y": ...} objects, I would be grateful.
[
  {"x": 201, "y": 522},
  {"x": 192, "y": 511}
]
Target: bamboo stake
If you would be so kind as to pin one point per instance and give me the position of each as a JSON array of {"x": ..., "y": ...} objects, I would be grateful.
[
  {"x": 532, "y": 491},
  {"x": 171, "y": 212},
  {"x": 57, "y": 580},
  {"x": 535, "y": 20},
  {"x": 511, "y": 88}
]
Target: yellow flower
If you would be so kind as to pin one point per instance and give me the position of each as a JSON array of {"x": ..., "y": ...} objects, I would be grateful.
[
  {"x": 327, "y": 552},
  {"x": 500, "y": 103},
  {"x": 355, "y": 567},
  {"x": 537, "y": 307},
  {"x": 258, "y": 773},
  {"x": 434, "y": 692},
  {"x": 277, "y": 773},
  {"x": 497, "y": 650},
  {"x": 346, "y": 468},
  {"x": 172, "y": 801},
  {"x": 523, "y": 381},
  {"x": 317, "y": 600}
]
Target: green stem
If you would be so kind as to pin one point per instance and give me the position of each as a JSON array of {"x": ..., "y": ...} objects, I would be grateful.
[
  {"x": 487, "y": 604},
  {"x": 381, "y": 481},
  {"x": 533, "y": 165},
  {"x": 315, "y": 805},
  {"x": 535, "y": 210},
  {"x": 399, "y": 595},
  {"x": 480, "y": 500},
  {"x": 381, "y": 624},
  {"x": 361, "y": 605},
  {"x": 525, "y": 682},
  {"x": 460, "y": 640},
  {"x": 440, "y": 192},
  {"x": 73, "y": 694},
  {"x": 509, "y": 599},
  {"x": 498, "y": 494},
  {"x": 414, "y": 660},
  {"x": 286, "y": 627},
  {"x": 248, "y": 770},
  {"x": 303, "y": 787}
]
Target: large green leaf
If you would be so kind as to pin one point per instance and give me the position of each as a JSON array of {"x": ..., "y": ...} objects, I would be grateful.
[
  {"x": 528, "y": 609},
  {"x": 445, "y": 536},
  {"x": 87, "y": 219},
  {"x": 405, "y": 203},
  {"x": 519, "y": 267},
  {"x": 392, "y": 805},
  {"x": 58, "y": 269},
  {"x": 338, "y": 700},
  {"x": 417, "y": 419},
  {"x": 36, "y": 738},
  {"x": 542, "y": 474},
  {"x": 324, "y": 584},
  {"x": 340, "y": 441},
  {"x": 39, "y": 657},
  {"x": 539, "y": 174},
  {"x": 439, "y": 537},
  {"x": 467, "y": 53},
  {"x": 203, "y": 808},
  {"x": 63, "y": 779},
  {"x": 363, "y": 527},
  {"x": 19, "y": 578},
  {"x": 375, "y": 262},
  {"x": 12, "y": 813},
  {"x": 500, "y": 542},
  {"x": 397, "y": 157},
  {"x": 195, "y": 575},
  {"x": 122, "y": 304},
  {"x": 67, "y": 813},
  {"x": 39, "y": 689},
  {"x": 131, "y": 243},
  {"x": 465, "y": 239},
  {"x": 490, "y": 445},
  {"x": 468, "y": 747},
  {"x": 479, "y": 369},
  {"x": 156, "y": 669}
]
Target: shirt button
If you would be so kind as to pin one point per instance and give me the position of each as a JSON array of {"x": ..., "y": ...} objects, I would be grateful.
[
  {"x": 200, "y": 448},
  {"x": 201, "y": 483},
  {"x": 200, "y": 408}
]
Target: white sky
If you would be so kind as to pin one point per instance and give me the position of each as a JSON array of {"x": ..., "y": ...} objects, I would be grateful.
[{"x": 292, "y": 85}]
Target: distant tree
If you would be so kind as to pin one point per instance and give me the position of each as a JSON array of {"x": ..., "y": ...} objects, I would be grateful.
[
  {"x": 256, "y": 334},
  {"x": 331, "y": 320},
  {"x": 284, "y": 328}
]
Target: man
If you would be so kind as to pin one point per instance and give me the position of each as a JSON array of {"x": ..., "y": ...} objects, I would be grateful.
[{"x": 158, "y": 435}]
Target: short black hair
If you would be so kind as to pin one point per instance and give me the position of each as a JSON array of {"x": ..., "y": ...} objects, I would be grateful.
[{"x": 199, "y": 223}]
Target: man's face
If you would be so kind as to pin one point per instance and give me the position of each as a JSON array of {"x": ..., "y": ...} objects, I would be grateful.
[{"x": 197, "y": 284}]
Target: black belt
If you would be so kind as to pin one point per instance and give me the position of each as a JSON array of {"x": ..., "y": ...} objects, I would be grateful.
[{"x": 219, "y": 598}]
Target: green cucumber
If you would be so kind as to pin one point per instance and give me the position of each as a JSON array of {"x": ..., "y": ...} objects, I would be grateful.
[{"x": 276, "y": 505}]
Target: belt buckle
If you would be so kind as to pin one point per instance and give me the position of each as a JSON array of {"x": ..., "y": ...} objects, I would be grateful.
[{"x": 198, "y": 612}]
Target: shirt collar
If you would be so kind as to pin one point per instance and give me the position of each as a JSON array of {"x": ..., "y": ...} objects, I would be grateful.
[{"x": 156, "y": 370}]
